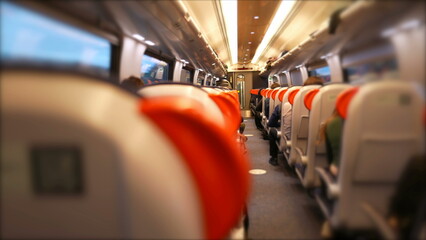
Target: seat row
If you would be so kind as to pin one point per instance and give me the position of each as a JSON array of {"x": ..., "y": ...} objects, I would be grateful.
[
  {"x": 82, "y": 158},
  {"x": 383, "y": 129}
]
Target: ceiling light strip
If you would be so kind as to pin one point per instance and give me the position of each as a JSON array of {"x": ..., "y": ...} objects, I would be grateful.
[
  {"x": 230, "y": 14},
  {"x": 280, "y": 15}
]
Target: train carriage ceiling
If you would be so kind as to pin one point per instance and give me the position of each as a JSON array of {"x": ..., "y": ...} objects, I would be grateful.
[
  {"x": 200, "y": 31},
  {"x": 254, "y": 19}
]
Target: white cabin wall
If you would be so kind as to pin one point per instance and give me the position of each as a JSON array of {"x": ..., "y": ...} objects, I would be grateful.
[
  {"x": 131, "y": 58},
  {"x": 335, "y": 68},
  {"x": 194, "y": 80},
  {"x": 411, "y": 60},
  {"x": 177, "y": 71},
  {"x": 304, "y": 73}
]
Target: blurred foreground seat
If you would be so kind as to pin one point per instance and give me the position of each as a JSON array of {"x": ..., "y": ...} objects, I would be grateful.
[
  {"x": 382, "y": 131},
  {"x": 82, "y": 159}
]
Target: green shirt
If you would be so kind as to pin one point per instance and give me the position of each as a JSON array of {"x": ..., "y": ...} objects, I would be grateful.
[{"x": 333, "y": 136}]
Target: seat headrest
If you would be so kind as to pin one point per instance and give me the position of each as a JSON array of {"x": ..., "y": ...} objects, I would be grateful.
[
  {"x": 268, "y": 93},
  {"x": 235, "y": 95},
  {"x": 291, "y": 96},
  {"x": 281, "y": 95},
  {"x": 343, "y": 100},
  {"x": 221, "y": 177},
  {"x": 274, "y": 93},
  {"x": 229, "y": 107},
  {"x": 309, "y": 97}
]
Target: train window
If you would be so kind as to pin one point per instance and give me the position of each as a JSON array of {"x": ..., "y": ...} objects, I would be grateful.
[
  {"x": 200, "y": 79},
  {"x": 296, "y": 77},
  {"x": 185, "y": 76},
  {"x": 283, "y": 80},
  {"x": 323, "y": 72},
  {"x": 31, "y": 38},
  {"x": 154, "y": 70},
  {"x": 371, "y": 71}
]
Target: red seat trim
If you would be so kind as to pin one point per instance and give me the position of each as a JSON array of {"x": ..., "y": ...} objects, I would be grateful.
[
  {"x": 291, "y": 96},
  {"x": 219, "y": 169},
  {"x": 343, "y": 100},
  {"x": 281, "y": 95},
  {"x": 309, "y": 97}
]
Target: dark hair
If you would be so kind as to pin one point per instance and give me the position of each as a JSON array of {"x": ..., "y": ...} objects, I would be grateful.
[
  {"x": 275, "y": 85},
  {"x": 314, "y": 81},
  {"x": 132, "y": 83}
]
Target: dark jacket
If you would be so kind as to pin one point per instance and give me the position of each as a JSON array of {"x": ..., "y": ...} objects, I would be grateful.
[{"x": 274, "y": 120}]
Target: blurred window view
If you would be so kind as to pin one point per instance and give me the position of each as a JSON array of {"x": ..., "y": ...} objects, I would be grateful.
[
  {"x": 323, "y": 72},
  {"x": 200, "y": 79},
  {"x": 154, "y": 70},
  {"x": 283, "y": 80},
  {"x": 28, "y": 37},
  {"x": 185, "y": 76},
  {"x": 385, "y": 69},
  {"x": 296, "y": 77}
]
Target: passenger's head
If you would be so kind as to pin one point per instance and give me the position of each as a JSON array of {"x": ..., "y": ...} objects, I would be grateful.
[
  {"x": 224, "y": 84},
  {"x": 132, "y": 83},
  {"x": 314, "y": 81},
  {"x": 275, "y": 85}
]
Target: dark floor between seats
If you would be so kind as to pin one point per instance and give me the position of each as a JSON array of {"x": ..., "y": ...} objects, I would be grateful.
[{"x": 279, "y": 206}]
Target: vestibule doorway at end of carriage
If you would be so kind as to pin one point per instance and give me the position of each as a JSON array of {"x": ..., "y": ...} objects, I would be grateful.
[
  {"x": 240, "y": 86},
  {"x": 243, "y": 82}
]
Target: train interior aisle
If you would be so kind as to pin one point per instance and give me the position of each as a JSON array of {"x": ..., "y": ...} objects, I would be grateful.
[{"x": 278, "y": 205}]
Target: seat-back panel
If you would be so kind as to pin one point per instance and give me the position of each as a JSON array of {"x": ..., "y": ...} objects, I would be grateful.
[
  {"x": 383, "y": 130},
  {"x": 322, "y": 108},
  {"x": 300, "y": 115},
  {"x": 125, "y": 164},
  {"x": 285, "y": 106}
]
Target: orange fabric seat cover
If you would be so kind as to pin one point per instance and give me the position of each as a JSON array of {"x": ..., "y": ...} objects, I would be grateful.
[
  {"x": 343, "y": 100},
  {"x": 292, "y": 95},
  {"x": 217, "y": 166},
  {"x": 281, "y": 95},
  {"x": 309, "y": 97}
]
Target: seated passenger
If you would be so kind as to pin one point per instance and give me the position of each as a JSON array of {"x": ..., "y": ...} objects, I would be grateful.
[
  {"x": 332, "y": 134},
  {"x": 224, "y": 84},
  {"x": 407, "y": 213},
  {"x": 257, "y": 110},
  {"x": 266, "y": 110},
  {"x": 288, "y": 107},
  {"x": 274, "y": 123},
  {"x": 132, "y": 83},
  {"x": 273, "y": 86}
]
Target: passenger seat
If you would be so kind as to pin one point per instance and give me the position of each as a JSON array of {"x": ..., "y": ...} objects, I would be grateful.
[
  {"x": 383, "y": 130},
  {"x": 83, "y": 159}
]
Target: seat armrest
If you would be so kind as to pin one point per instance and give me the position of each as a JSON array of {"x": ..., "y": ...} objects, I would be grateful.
[
  {"x": 303, "y": 158},
  {"x": 333, "y": 190},
  {"x": 299, "y": 152},
  {"x": 382, "y": 226}
]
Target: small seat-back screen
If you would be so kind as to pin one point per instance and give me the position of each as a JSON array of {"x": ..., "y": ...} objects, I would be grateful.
[{"x": 57, "y": 170}]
